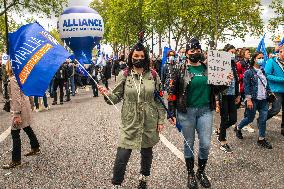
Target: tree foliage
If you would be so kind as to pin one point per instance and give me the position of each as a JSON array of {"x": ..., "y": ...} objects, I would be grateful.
[
  {"x": 210, "y": 20},
  {"x": 46, "y": 7},
  {"x": 278, "y": 7},
  {"x": 21, "y": 8}
]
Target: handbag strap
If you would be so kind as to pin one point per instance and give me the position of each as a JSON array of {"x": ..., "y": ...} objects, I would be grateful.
[{"x": 255, "y": 73}]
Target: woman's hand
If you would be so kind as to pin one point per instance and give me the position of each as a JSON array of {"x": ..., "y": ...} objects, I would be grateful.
[
  {"x": 217, "y": 106},
  {"x": 160, "y": 127},
  {"x": 249, "y": 104},
  {"x": 103, "y": 90},
  {"x": 17, "y": 121},
  {"x": 238, "y": 100},
  {"x": 230, "y": 76},
  {"x": 173, "y": 121}
]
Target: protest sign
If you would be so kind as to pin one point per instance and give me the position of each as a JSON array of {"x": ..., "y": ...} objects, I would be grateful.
[{"x": 219, "y": 67}]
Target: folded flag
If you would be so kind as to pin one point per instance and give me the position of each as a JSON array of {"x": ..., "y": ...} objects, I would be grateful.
[
  {"x": 261, "y": 48},
  {"x": 35, "y": 57}
]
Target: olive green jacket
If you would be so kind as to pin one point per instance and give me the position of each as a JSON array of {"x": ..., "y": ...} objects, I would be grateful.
[{"x": 139, "y": 119}]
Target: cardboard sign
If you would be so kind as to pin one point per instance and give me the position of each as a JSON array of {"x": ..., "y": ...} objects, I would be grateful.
[{"x": 219, "y": 67}]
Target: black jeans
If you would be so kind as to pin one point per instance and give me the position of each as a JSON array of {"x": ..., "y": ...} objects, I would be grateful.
[
  {"x": 228, "y": 113},
  {"x": 58, "y": 83},
  {"x": 94, "y": 87},
  {"x": 122, "y": 158},
  {"x": 16, "y": 152},
  {"x": 276, "y": 107},
  {"x": 106, "y": 83}
]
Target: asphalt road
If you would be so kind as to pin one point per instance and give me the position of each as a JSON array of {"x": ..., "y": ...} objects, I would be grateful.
[{"x": 79, "y": 139}]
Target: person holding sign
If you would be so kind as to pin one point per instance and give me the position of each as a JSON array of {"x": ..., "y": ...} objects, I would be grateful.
[
  {"x": 257, "y": 91},
  {"x": 195, "y": 104},
  {"x": 227, "y": 102},
  {"x": 141, "y": 114}
]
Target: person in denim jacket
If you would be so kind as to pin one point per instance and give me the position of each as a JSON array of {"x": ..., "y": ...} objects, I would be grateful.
[{"x": 256, "y": 90}]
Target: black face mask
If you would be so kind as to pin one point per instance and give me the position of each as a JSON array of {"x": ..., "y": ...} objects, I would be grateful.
[
  {"x": 138, "y": 63},
  {"x": 196, "y": 57}
]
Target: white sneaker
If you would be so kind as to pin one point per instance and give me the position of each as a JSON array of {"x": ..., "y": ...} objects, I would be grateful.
[
  {"x": 249, "y": 128},
  {"x": 117, "y": 186},
  {"x": 47, "y": 108}
]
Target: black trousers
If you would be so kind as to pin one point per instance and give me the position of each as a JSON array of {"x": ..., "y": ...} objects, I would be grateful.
[
  {"x": 94, "y": 87},
  {"x": 228, "y": 113},
  {"x": 122, "y": 158},
  {"x": 16, "y": 152},
  {"x": 58, "y": 83},
  {"x": 106, "y": 83}
]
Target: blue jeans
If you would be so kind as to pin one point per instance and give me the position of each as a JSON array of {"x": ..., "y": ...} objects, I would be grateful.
[
  {"x": 262, "y": 107},
  {"x": 72, "y": 85},
  {"x": 201, "y": 120}
]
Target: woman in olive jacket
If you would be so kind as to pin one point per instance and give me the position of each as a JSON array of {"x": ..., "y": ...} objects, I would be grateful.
[{"x": 142, "y": 115}]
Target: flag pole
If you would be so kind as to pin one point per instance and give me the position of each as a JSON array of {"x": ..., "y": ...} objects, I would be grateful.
[
  {"x": 98, "y": 85},
  {"x": 6, "y": 27}
]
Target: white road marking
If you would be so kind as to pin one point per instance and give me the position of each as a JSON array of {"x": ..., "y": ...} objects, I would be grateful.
[
  {"x": 173, "y": 149},
  {"x": 4, "y": 135}
]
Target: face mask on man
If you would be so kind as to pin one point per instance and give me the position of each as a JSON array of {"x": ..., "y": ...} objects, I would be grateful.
[
  {"x": 196, "y": 57},
  {"x": 138, "y": 63},
  {"x": 260, "y": 62}
]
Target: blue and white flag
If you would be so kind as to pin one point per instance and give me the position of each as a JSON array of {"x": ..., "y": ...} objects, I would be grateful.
[
  {"x": 165, "y": 53},
  {"x": 281, "y": 42},
  {"x": 261, "y": 48},
  {"x": 35, "y": 56}
]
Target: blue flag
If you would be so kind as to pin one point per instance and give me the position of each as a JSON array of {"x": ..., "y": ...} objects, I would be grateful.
[
  {"x": 165, "y": 53},
  {"x": 281, "y": 42},
  {"x": 35, "y": 57},
  {"x": 261, "y": 48}
]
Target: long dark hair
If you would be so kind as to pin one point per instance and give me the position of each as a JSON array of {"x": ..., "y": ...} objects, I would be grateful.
[
  {"x": 228, "y": 47},
  {"x": 139, "y": 47},
  {"x": 252, "y": 62}
]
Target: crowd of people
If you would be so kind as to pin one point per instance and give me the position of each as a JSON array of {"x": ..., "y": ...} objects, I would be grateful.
[{"x": 255, "y": 85}]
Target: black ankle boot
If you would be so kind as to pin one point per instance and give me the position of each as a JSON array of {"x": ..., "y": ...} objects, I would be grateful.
[
  {"x": 143, "y": 182},
  {"x": 200, "y": 174},
  {"x": 191, "y": 181}
]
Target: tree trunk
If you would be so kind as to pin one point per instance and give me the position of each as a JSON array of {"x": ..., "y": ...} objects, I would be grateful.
[
  {"x": 169, "y": 36},
  {"x": 160, "y": 45}
]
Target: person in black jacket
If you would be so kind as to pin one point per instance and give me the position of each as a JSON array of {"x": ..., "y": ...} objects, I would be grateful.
[
  {"x": 69, "y": 71},
  {"x": 94, "y": 71},
  {"x": 195, "y": 103},
  {"x": 115, "y": 68},
  {"x": 59, "y": 80},
  {"x": 107, "y": 72},
  {"x": 228, "y": 101}
]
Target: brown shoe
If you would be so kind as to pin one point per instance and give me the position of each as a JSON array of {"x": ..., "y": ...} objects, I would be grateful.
[
  {"x": 33, "y": 152},
  {"x": 11, "y": 165}
]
